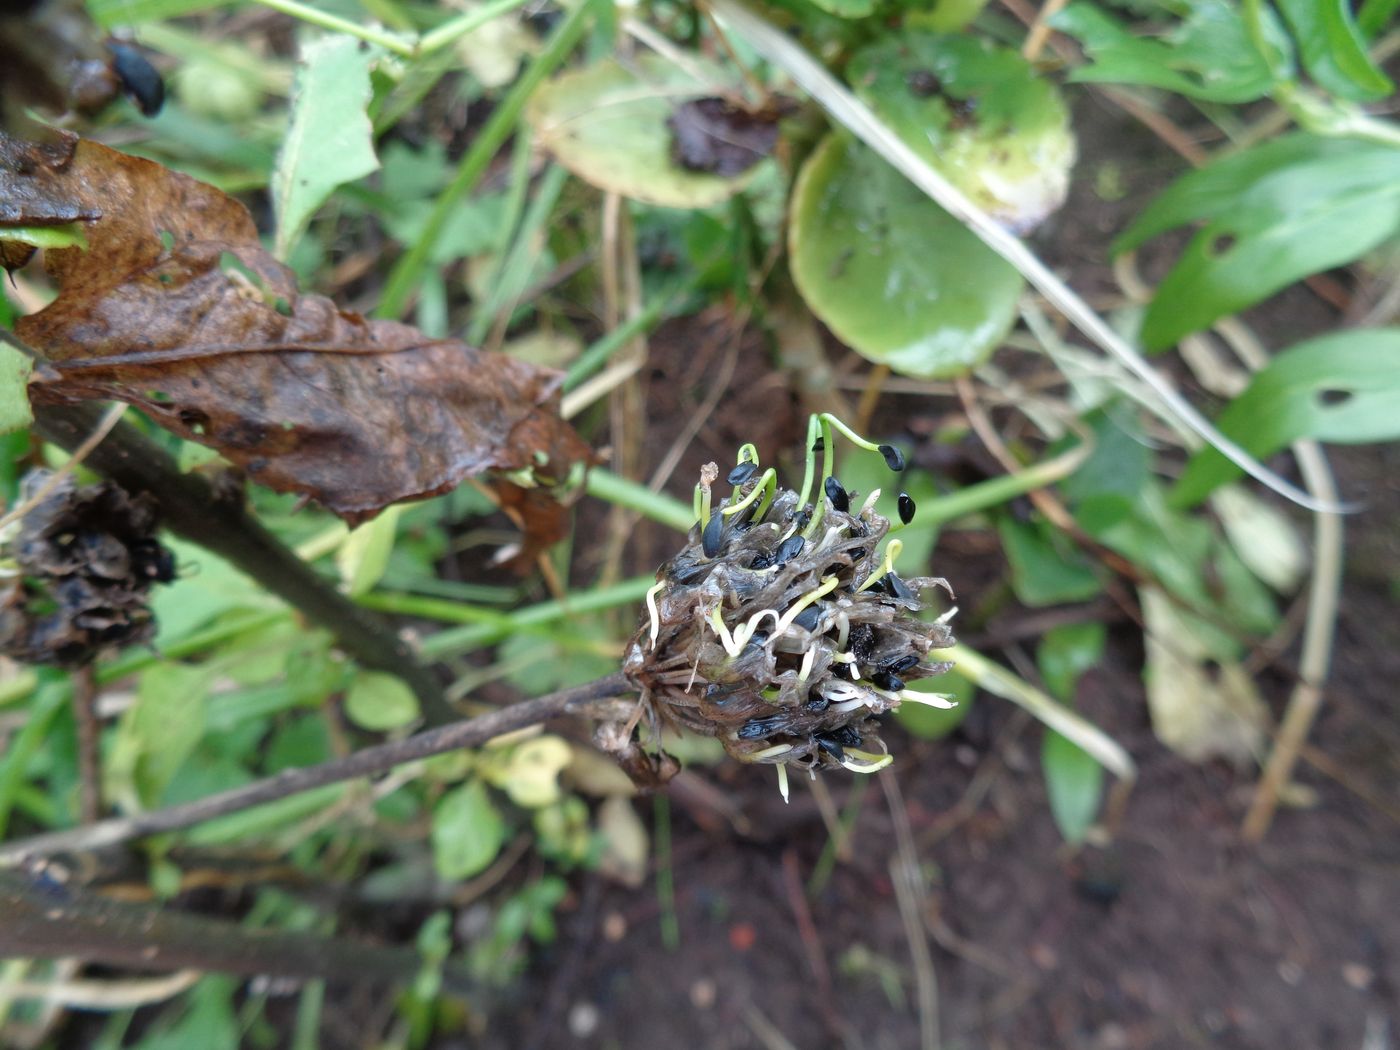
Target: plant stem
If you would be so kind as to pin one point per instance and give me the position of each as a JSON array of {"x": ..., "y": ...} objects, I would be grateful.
[
  {"x": 659, "y": 507},
  {"x": 191, "y": 507},
  {"x": 456, "y": 28},
  {"x": 404, "y": 276},
  {"x": 49, "y": 921},
  {"x": 367, "y": 762},
  {"x": 316, "y": 17}
]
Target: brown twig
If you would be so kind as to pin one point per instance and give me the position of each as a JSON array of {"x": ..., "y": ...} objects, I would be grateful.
[
  {"x": 89, "y": 740},
  {"x": 367, "y": 762}
]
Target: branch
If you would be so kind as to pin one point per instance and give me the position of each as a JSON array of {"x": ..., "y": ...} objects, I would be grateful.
[
  {"x": 193, "y": 508},
  {"x": 469, "y": 733}
]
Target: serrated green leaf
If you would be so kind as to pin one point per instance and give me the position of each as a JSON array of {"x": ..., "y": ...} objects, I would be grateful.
[
  {"x": 1343, "y": 387},
  {"x": 606, "y": 123},
  {"x": 1273, "y": 214},
  {"x": 467, "y": 832},
  {"x": 1065, "y": 653},
  {"x": 329, "y": 141},
  {"x": 977, "y": 113},
  {"x": 889, "y": 271},
  {"x": 1210, "y": 55},
  {"x": 1333, "y": 49},
  {"x": 380, "y": 702},
  {"x": 1074, "y": 782},
  {"x": 15, "y": 412}
]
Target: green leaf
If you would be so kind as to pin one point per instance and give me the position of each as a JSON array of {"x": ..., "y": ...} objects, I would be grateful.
[
  {"x": 606, "y": 123},
  {"x": 1210, "y": 55},
  {"x": 890, "y": 272},
  {"x": 1046, "y": 568},
  {"x": 978, "y": 114},
  {"x": 934, "y": 723},
  {"x": 206, "y": 1019},
  {"x": 1333, "y": 49},
  {"x": 364, "y": 554},
  {"x": 109, "y": 13},
  {"x": 380, "y": 702},
  {"x": 1065, "y": 653},
  {"x": 467, "y": 832},
  {"x": 1273, "y": 214},
  {"x": 945, "y": 16},
  {"x": 1374, "y": 15},
  {"x": 1074, "y": 781},
  {"x": 67, "y": 235},
  {"x": 1343, "y": 387},
  {"x": 329, "y": 141},
  {"x": 846, "y": 8},
  {"x": 159, "y": 731},
  {"x": 15, "y": 413},
  {"x": 1103, "y": 490}
]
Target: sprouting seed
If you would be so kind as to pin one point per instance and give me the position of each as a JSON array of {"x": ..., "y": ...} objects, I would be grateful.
[
  {"x": 846, "y": 735},
  {"x": 831, "y": 747},
  {"x": 903, "y": 664},
  {"x": 787, "y": 550},
  {"x": 906, "y": 508},
  {"x": 894, "y": 459},
  {"x": 887, "y": 680},
  {"x": 742, "y": 472},
  {"x": 809, "y": 617},
  {"x": 712, "y": 539},
  {"x": 758, "y": 728},
  {"x": 837, "y": 494}
]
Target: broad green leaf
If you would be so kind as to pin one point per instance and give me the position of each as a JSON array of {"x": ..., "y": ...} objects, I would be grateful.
[
  {"x": 1343, "y": 387},
  {"x": 1210, "y": 55},
  {"x": 15, "y": 413},
  {"x": 1074, "y": 782},
  {"x": 1374, "y": 15},
  {"x": 109, "y": 13},
  {"x": 364, "y": 554},
  {"x": 934, "y": 723},
  {"x": 573, "y": 654},
  {"x": 890, "y": 272},
  {"x": 158, "y": 732},
  {"x": 945, "y": 16},
  {"x": 978, "y": 114},
  {"x": 1105, "y": 488},
  {"x": 380, "y": 702},
  {"x": 1046, "y": 567},
  {"x": 846, "y": 8},
  {"x": 530, "y": 775},
  {"x": 205, "y": 1017},
  {"x": 329, "y": 141},
  {"x": 1333, "y": 50},
  {"x": 606, "y": 123},
  {"x": 467, "y": 832},
  {"x": 1065, "y": 653},
  {"x": 1272, "y": 214},
  {"x": 410, "y": 182}
]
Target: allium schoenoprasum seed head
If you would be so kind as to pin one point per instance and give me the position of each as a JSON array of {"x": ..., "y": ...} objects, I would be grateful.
[{"x": 789, "y": 638}]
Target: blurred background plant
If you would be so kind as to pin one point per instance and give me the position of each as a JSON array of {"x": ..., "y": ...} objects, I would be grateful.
[{"x": 692, "y": 212}]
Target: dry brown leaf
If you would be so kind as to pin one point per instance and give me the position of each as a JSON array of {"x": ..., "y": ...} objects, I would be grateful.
[{"x": 176, "y": 307}]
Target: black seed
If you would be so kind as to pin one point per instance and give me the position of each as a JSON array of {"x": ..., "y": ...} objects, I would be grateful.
[
  {"x": 787, "y": 550},
  {"x": 846, "y": 735},
  {"x": 804, "y": 517},
  {"x": 688, "y": 572},
  {"x": 712, "y": 539},
  {"x": 897, "y": 587},
  {"x": 894, "y": 459},
  {"x": 759, "y": 637},
  {"x": 742, "y": 473},
  {"x": 831, "y": 747},
  {"x": 758, "y": 728},
  {"x": 817, "y": 704},
  {"x": 837, "y": 494},
  {"x": 139, "y": 78},
  {"x": 809, "y": 617},
  {"x": 819, "y": 445},
  {"x": 906, "y": 508},
  {"x": 902, "y": 664},
  {"x": 862, "y": 642},
  {"x": 886, "y": 680}
]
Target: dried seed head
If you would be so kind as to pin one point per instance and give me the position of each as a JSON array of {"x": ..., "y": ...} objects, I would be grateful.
[{"x": 787, "y": 638}]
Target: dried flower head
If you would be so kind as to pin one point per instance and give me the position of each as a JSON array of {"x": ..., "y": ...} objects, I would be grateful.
[
  {"x": 782, "y": 628},
  {"x": 80, "y": 566}
]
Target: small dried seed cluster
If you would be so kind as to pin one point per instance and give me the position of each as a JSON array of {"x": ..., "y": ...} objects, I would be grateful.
[
  {"x": 782, "y": 629},
  {"x": 82, "y": 563}
]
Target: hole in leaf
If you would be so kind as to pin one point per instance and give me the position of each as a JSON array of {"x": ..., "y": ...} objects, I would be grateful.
[
  {"x": 160, "y": 397},
  {"x": 167, "y": 239},
  {"x": 193, "y": 418},
  {"x": 1222, "y": 244},
  {"x": 1332, "y": 398}
]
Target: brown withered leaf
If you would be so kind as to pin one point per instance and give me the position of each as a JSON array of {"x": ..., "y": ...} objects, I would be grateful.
[
  {"x": 721, "y": 137},
  {"x": 176, "y": 307}
]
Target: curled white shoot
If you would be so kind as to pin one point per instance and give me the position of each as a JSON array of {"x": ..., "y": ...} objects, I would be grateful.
[
  {"x": 843, "y": 633},
  {"x": 865, "y": 761},
  {"x": 652, "y": 592},
  {"x": 892, "y": 551},
  {"x": 808, "y": 658}
]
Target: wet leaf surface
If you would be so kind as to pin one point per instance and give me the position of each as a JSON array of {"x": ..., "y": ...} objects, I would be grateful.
[{"x": 176, "y": 307}]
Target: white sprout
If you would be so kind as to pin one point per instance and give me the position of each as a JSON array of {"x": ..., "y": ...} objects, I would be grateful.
[
  {"x": 783, "y": 783},
  {"x": 651, "y": 610}
]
